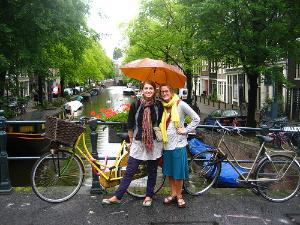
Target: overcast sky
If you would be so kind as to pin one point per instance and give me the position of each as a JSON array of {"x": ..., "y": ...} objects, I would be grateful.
[{"x": 114, "y": 12}]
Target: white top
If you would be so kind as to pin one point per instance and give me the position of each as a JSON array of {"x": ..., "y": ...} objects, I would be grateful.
[
  {"x": 176, "y": 140},
  {"x": 138, "y": 150}
]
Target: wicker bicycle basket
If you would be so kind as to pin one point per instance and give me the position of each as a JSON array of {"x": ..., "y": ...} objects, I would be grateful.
[{"x": 61, "y": 131}]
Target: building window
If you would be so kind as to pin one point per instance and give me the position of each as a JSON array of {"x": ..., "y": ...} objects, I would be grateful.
[
  {"x": 221, "y": 88},
  {"x": 235, "y": 89}
]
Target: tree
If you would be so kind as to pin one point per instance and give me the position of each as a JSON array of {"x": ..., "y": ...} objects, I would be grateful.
[
  {"x": 253, "y": 34},
  {"x": 117, "y": 53},
  {"x": 161, "y": 32},
  {"x": 31, "y": 27},
  {"x": 95, "y": 64}
]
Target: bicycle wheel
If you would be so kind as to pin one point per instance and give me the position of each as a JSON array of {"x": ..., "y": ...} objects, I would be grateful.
[
  {"x": 278, "y": 178},
  {"x": 138, "y": 185},
  {"x": 58, "y": 176},
  {"x": 287, "y": 144},
  {"x": 203, "y": 173}
]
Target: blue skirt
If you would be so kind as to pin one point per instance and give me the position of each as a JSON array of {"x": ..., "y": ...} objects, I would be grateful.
[{"x": 175, "y": 163}]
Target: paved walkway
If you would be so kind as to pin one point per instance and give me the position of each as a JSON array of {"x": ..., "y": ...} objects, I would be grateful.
[{"x": 219, "y": 206}]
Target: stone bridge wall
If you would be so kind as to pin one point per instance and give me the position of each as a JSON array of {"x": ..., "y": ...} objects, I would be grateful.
[{"x": 241, "y": 147}]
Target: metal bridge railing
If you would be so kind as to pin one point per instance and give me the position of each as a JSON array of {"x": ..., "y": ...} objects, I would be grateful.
[{"x": 5, "y": 183}]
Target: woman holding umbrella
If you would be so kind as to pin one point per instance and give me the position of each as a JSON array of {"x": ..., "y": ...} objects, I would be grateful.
[
  {"x": 175, "y": 164},
  {"x": 143, "y": 117}
]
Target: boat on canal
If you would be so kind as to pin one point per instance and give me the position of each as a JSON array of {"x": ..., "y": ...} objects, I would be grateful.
[
  {"x": 73, "y": 106},
  {"x": 128, "y": 91},
  {"x": 26, "y": 139}
]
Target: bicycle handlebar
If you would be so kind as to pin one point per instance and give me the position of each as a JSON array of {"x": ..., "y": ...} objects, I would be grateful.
[
  {"x": 85, "y": 119},
  {"x": 234, "y": 129}
]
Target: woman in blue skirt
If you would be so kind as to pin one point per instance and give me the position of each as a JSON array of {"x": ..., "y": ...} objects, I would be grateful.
[{"x": 175, "y": 164}]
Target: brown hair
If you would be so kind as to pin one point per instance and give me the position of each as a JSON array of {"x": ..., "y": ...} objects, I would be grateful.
[
  {"x": 166, "y": 85},
  {"x": 150, "y": 82}
]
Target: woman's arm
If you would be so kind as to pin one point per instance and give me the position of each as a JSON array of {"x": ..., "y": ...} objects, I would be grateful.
[
  {"x": 130, "y": 134},
  {"x": 131, "y": 121},
  {"x": 131, "y": 116},
  {"x": 192, "y": 114}
]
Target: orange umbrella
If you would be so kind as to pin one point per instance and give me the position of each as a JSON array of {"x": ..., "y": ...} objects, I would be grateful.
[{"x": 155, "y": 70}]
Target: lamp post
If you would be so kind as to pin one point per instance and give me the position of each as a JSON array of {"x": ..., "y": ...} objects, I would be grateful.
[{"x": 96, "y": 188}]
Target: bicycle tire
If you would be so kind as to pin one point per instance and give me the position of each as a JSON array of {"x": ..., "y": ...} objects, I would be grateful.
[
  {"x": 285, "y": 187},
  {"x": 287, "y": 145},
  {"x": 138, "y": 185},
  {"x": 204, "y": 171},
  {"x": 47, "y": 182}
]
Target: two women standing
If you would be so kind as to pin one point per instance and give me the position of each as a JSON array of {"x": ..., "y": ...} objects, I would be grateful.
[{"x": 143, "y": 116}]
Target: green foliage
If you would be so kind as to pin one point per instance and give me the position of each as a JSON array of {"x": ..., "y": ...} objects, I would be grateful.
[
  {"x": 214, "y": 96},
  {"x": 187, "y": 119},
  {"x": 117, "y": 53},
  {"x": 58, "y": 102},
  {"x": 161, "y": 32},
  {"x": 118, "y": 117},
  {"x": 95, "y": 64},
  {"x": 252, "y": 34},
  {"x": 280, "y": 102},
  {"x": 38, "y": 35}
]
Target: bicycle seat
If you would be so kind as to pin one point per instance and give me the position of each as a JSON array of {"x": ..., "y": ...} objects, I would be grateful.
[
  {"x": 266, "y": 139},
  {"x": 124, "y": 136}
]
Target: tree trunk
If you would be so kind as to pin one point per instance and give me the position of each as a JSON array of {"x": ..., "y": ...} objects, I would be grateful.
[
  {"x": 189, "y": 85},
  {"x": 40, "y": 90},
  {"x": 252, "y": 95},
  {"x": 2, "y": 82},
  {"x": 62, "y": 87}
]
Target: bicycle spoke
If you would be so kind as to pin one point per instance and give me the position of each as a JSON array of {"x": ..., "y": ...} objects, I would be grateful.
[
  {"x": 203, "y": 173},
  {"x": 278, "y": 179},
  {"x": 57, "y": 177}
]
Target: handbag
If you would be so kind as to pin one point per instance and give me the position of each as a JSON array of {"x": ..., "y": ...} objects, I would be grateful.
[{"x": 158, "y": 134}]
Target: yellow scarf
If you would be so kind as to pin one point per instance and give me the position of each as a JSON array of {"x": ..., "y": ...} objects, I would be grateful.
[{"x": 174, "y": 116}]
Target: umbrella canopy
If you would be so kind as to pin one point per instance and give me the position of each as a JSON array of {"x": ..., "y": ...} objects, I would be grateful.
[{"x": 154, "y": 70}]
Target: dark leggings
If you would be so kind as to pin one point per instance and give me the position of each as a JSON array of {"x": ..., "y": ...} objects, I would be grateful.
[{"x": 131, "y": 170}]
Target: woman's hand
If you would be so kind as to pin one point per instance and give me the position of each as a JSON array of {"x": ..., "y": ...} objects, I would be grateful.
[{"x": 181, "y": 130}]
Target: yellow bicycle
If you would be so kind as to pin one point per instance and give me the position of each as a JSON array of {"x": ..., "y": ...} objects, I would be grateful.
[{"x": 58, "y": 175}]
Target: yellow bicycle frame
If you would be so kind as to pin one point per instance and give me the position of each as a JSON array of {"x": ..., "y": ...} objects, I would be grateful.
[{"x": 109, "y": 175}]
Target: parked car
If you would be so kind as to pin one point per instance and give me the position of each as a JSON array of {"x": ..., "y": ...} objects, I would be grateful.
[
  {"x": 78, "y": 89},
  {"x": 128, "y": 91},
  {"x": 227, "y": 117},
  {"x": 68, "y": 91}
]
